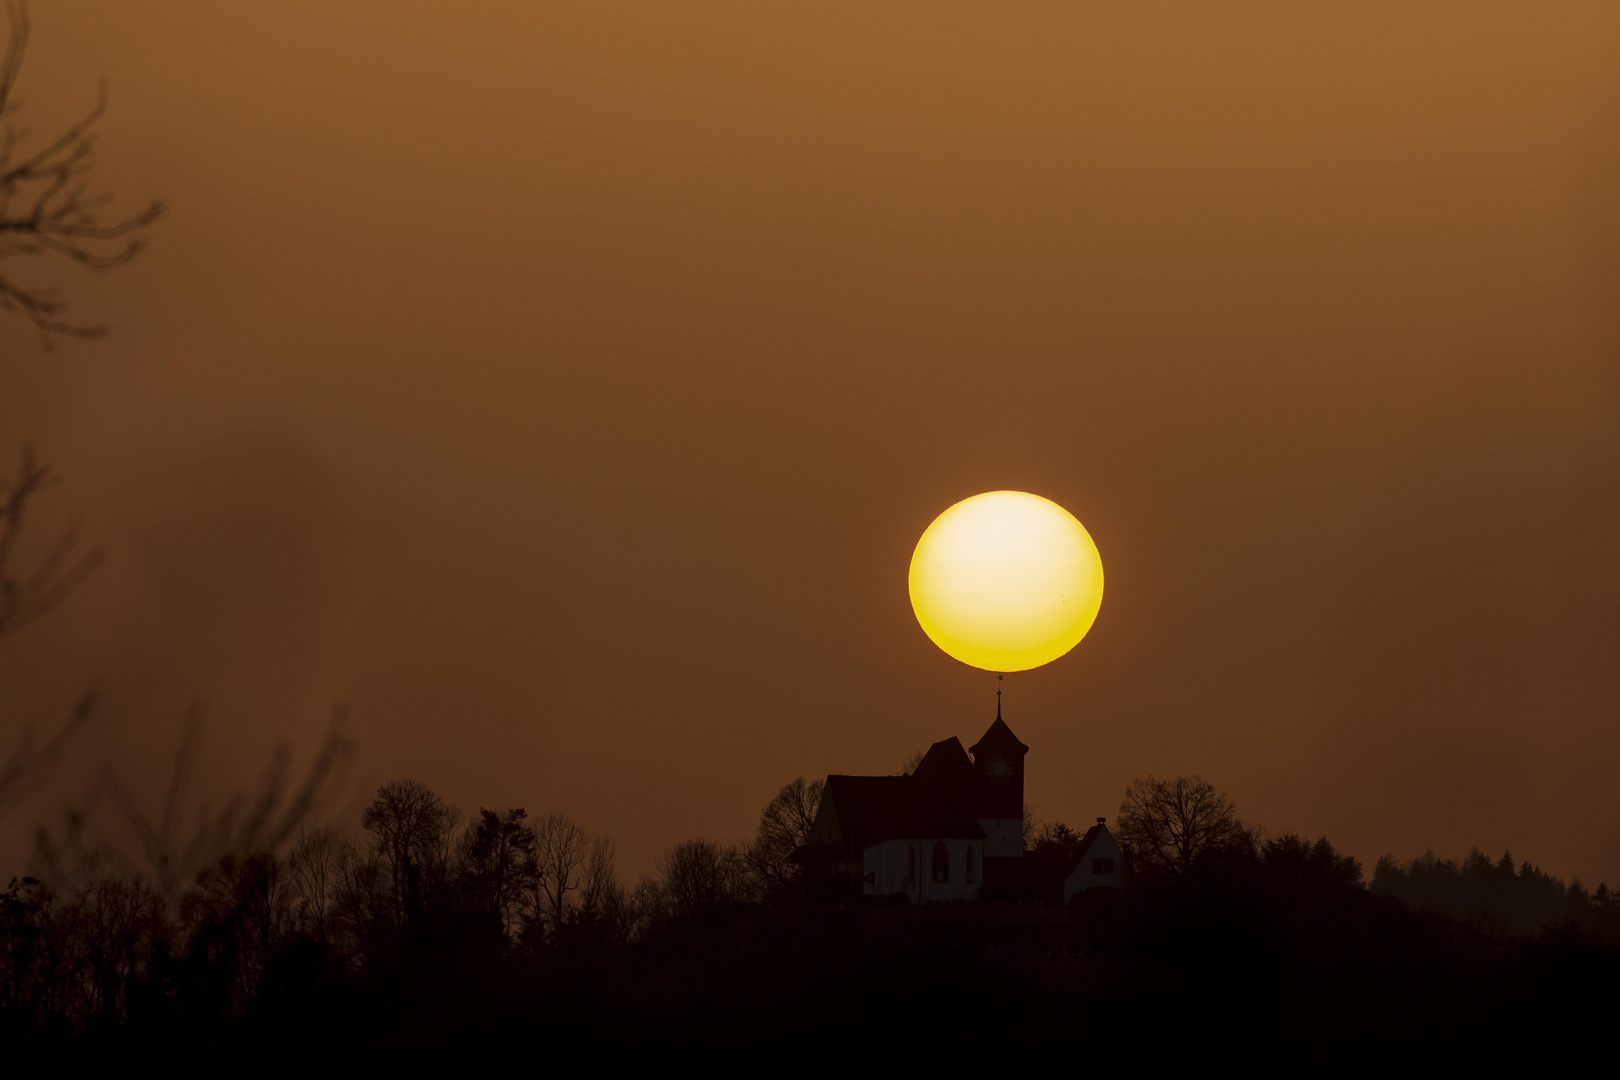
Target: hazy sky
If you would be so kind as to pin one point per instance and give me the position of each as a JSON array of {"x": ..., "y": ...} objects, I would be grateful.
[{"x": 565, "y": 386}]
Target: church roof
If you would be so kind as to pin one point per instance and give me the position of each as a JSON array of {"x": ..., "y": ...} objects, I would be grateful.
[
  {"x": 871, "y": 809},
  {"x": 945, "y": 763},
  {"x": 998, "y": 737},
  {"x": 945, "y": 796},
  {"x": 861, "y": 804}
]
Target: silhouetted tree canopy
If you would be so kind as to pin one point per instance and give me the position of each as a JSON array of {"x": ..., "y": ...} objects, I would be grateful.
[
  {"x": 1168, "y": 825},
  {"x": 501, "y": 863},
  {"x": 1494, "y": 897},
  {"x": 418, "y": 934},
  {"x": 783, "y": 826}
]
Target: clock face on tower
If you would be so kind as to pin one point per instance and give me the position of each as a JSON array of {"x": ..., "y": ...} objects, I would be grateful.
[{"x": 999, "y": 769}]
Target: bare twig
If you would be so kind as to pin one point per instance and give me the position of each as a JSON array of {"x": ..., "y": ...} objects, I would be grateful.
[
  {"x": 17, "y": 17},
  {"x": 30, "y": 762},
  {"x": 24, "y": 597},
  {"x": 44, "y": 205},
  {"x": 245, "y": 827}
]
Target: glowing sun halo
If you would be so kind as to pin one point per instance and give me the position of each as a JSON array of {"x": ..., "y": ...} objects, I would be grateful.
[{"x": 1006, "y": 581}]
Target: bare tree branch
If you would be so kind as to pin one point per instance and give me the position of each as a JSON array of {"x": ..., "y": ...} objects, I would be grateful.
[
  {"x": 561, "y": 851},
  {"x": 30, "y": 763},
  {"x": 24, "y": 598},
  {"x": 45, "y": 208},
  {"x": 245, "y": 827},
  {"x": 17, "y": 17}
]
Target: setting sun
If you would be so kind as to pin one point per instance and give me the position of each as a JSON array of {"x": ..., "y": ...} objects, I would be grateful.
[{"x": 1006, "y": 581}]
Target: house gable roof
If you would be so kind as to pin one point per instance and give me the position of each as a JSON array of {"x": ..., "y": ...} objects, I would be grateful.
[{"x": 1086, "y": 843}]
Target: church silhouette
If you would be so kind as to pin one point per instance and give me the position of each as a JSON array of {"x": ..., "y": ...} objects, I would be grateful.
[{"x": 950, "y": 831}]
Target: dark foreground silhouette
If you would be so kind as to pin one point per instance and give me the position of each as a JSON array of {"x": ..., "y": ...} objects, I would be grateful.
[{"x": 424, "y": 939}]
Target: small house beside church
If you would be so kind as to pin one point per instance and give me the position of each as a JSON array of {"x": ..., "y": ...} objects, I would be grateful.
[{"x": 1099, "y": 864}]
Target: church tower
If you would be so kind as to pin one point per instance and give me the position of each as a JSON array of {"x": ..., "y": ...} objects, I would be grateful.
[{"x": 999, "y": 758}]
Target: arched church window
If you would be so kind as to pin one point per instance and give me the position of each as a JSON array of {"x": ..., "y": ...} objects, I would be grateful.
[
  {"x": 942, "y": 862},
  {"x": 911, "y": 864},
  {"x": 970, "y": 878}
]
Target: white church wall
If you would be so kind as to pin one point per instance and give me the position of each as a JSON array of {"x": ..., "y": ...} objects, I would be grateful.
[
  {"x": 1088, "y": 876},
  {"x": 956, "y": 887},
  {"x": 885, "y": 870}
]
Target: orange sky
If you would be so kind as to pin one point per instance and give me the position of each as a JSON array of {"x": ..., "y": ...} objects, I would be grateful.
[{"x": 564, "y": 387}]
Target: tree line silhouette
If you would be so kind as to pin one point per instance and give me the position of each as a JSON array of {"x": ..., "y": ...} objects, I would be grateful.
[
  {"x": 1496, "y": 897},
  {"x": 423, "y": 931}
]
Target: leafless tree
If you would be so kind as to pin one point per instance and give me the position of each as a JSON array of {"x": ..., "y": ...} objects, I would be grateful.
[
  {"x": 701, "y": 875},
  {"x": 561, "y": 849},
  {"x": 783, "y": 826},
  {"x": 1167, "y": 825},
  {"x": 46, "y": 208},
  {"x": 605, "y": 912},
  {"x": 105, "y": 935},
  {"x": 244, "y": 908},
  {"x": 313, "y": 868},
  {"x": 412, "y": 827},
  {"x": 600, "y": 883},
  {"x": 362, "y": 900}
]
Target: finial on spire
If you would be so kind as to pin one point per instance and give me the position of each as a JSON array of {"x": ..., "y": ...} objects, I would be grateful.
[{"x": 998, "y": 696}]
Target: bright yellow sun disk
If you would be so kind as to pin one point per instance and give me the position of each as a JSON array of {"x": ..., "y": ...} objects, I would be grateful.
[{"x": 1006, "y": 581}]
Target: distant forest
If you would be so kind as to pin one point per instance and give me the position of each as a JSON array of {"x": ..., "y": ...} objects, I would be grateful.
[{"x": 427, "y": 932}]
